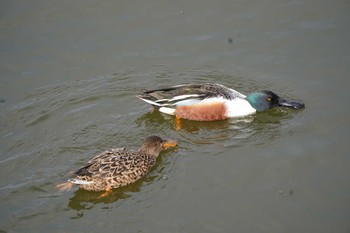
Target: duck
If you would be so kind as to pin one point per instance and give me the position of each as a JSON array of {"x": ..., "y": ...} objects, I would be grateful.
[
  {"x": 118, "y": 167},
  {"x": 212, "y": 101}
]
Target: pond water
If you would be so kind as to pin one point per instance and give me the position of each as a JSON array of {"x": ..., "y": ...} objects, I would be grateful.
[{"x": 69, "y": 75}]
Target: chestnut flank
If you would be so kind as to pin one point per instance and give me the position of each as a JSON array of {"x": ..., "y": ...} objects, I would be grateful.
[{"x": 202, "y": 112}]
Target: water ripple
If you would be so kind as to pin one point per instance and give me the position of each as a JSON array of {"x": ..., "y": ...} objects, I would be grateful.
[{"x": 57, "y": 128}]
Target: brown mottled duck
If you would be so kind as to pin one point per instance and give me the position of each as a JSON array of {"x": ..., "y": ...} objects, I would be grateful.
[{"x": 118, "y": 167}]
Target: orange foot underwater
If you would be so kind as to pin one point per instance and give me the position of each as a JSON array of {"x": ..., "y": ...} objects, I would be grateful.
[
  {"x": 64, "y": 186},
  {"x": 178, "y": 124},
  {"x": 106, "y": 193}
]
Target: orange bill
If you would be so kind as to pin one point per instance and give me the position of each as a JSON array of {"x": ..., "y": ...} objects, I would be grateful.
[{"x": 169, "y": 143}]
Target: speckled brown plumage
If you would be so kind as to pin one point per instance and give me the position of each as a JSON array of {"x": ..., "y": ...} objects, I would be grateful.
[{"x": 118, "y": 167}]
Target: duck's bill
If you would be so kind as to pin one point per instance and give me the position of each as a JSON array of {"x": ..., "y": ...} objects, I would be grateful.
[
  {"x": 290, "y": 104},
  {"x": 169, "y": 143}
]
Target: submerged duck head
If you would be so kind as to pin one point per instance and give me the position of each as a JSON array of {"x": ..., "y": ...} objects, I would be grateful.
[
  {"x": 153, "y": 145},
  {"x": 264, "y": 100}
]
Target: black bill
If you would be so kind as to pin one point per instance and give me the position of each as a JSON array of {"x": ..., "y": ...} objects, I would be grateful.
[{"x": 290, "y": 104}]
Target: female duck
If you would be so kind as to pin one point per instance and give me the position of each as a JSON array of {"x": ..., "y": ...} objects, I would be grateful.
[
  {"x": 210, "y": 102},
  {"x": 118, "y": 167}
]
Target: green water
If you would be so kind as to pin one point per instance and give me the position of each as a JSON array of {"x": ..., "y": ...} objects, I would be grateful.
[{"x": 69, "y": 75}]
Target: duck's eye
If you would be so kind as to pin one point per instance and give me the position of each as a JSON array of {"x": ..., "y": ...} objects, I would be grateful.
[{"x": 269, "y": 99}]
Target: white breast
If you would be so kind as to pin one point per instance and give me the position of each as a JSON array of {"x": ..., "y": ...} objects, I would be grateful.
[{"x": 238, "y": 107}]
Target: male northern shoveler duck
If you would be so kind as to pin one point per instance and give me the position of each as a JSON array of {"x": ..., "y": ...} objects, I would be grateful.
[
  {"x": 118, "y": 167},
  {"x": 209, "y": 102}
]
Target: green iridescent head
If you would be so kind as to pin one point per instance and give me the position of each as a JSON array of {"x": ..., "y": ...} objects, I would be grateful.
[{"x": 264, "y": 100}]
